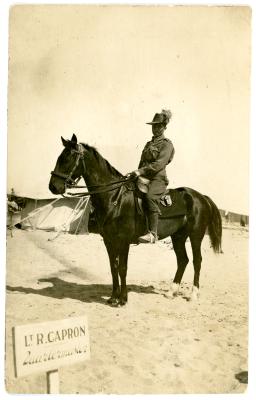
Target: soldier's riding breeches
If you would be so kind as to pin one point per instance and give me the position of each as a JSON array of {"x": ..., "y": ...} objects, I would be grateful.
[{"x": 157, "y": 188}]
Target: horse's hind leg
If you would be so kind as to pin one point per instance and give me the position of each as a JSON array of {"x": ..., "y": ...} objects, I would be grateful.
[
  {"x": 179, "y": 241},
  {"x": 197, "y": 260}
]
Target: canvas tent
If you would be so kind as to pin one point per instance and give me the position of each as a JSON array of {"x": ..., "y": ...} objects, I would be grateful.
[
  {"x": 234, "y": 218},
  {"x": 54, "y": 214}
]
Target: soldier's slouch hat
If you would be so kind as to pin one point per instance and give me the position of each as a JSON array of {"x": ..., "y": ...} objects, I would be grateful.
[{"x": 161, "y": 118}]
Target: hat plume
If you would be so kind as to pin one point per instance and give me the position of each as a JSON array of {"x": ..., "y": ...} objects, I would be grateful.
[{"x": 167, "y": 114}]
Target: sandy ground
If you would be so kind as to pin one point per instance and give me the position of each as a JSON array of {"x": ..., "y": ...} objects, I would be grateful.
[{"x": 153, "y": 345}]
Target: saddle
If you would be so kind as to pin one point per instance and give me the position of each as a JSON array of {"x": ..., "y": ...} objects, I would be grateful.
[{"x": 172, "y": 204}]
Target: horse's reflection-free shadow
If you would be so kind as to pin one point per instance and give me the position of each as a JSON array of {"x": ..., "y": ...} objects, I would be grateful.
[{"x": 88, "y": 293}]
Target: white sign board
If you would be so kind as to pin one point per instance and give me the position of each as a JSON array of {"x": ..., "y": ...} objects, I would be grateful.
[{"x": 48, "y": 345}]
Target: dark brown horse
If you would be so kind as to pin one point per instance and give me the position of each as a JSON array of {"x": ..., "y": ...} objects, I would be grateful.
[{"x": 119, "y": 222}]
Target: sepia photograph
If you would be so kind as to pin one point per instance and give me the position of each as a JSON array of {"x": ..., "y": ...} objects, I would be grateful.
[{"x": 128, "y": 199}]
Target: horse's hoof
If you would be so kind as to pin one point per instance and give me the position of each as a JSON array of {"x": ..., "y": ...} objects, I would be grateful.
[
  {"x": 122, "y": 302},
  {"x": 195, "y": 294},
  {"x": 175, "y": 288},
  {"x": 113, "y": 301},
  {"x": 173, "y": 291},
  {"x": 115, "y": 305}
]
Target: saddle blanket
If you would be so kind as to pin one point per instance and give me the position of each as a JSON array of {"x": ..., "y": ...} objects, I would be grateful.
[{"x": 172, "y": 204}]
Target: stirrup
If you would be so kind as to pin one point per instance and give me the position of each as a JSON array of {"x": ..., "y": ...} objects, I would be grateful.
[{"x": 150, "y": 237}]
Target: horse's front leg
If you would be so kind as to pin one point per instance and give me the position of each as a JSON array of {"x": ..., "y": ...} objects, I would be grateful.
[
  {"x": 123, "y": 259},
  {"x": 114, "y": 265}
]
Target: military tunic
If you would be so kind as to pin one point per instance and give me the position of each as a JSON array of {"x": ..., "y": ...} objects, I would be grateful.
[{"x": 156, "y": 155}]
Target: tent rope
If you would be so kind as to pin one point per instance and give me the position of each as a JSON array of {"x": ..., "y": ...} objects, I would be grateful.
[
  {"x": 36, "y": 211},
  {"x": 83, "y": 202}
]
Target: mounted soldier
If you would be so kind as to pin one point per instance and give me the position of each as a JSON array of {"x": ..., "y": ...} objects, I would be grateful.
[
  {"x": 119, "y": 227},
  {"x": 156, "y": 155}
]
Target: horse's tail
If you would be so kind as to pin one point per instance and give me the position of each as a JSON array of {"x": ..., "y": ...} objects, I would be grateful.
[{"x": 215, "y": 226}]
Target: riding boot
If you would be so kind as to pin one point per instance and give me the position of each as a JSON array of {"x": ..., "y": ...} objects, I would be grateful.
[
  {"x": 153, "y": 223},
  {"x": 151, "y": 236}
]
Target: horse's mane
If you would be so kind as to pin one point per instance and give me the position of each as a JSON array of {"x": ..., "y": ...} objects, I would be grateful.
[{"x": 101, "y": 160}]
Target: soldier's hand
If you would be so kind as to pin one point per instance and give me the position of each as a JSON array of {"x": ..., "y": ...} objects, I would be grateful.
[{"x": 132, "y": 175}]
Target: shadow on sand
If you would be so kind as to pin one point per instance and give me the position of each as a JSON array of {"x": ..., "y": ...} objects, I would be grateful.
[{"x": 92, "y": 293}]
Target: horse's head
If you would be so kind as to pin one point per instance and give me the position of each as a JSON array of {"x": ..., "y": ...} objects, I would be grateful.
[{"x": 68, "y": 167}]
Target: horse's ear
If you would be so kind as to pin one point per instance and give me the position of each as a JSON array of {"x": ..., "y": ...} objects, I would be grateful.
[
  {"x": 74, "y": 139},
  {"x": 64, "y": 142}
]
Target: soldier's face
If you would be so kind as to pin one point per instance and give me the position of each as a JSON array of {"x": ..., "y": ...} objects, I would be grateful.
[{"x": 157, "y": 129}]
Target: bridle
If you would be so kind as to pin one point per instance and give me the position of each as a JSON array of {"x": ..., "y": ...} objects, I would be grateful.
[{"x": 69, "y": 182}]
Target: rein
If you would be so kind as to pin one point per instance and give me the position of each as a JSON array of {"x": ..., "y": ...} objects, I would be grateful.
[
  {"x": 99, "y": 185},
  {"x": 104, "y": 190}
]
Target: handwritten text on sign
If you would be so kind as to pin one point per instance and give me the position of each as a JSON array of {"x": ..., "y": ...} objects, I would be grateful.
[{"x": 48, "y": 345}]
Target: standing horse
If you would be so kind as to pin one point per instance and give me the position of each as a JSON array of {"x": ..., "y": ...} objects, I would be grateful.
[{"x": 119, "y": 222}]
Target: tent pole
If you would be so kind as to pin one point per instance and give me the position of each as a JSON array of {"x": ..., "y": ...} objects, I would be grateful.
[{"x": 34, "y": 225}]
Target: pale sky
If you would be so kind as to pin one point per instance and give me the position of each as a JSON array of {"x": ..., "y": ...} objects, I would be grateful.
[{"x": 103, "y": 71}]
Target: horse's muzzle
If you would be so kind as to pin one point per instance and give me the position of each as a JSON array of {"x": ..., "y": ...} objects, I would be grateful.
[{"x": 56, "y": 190}]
